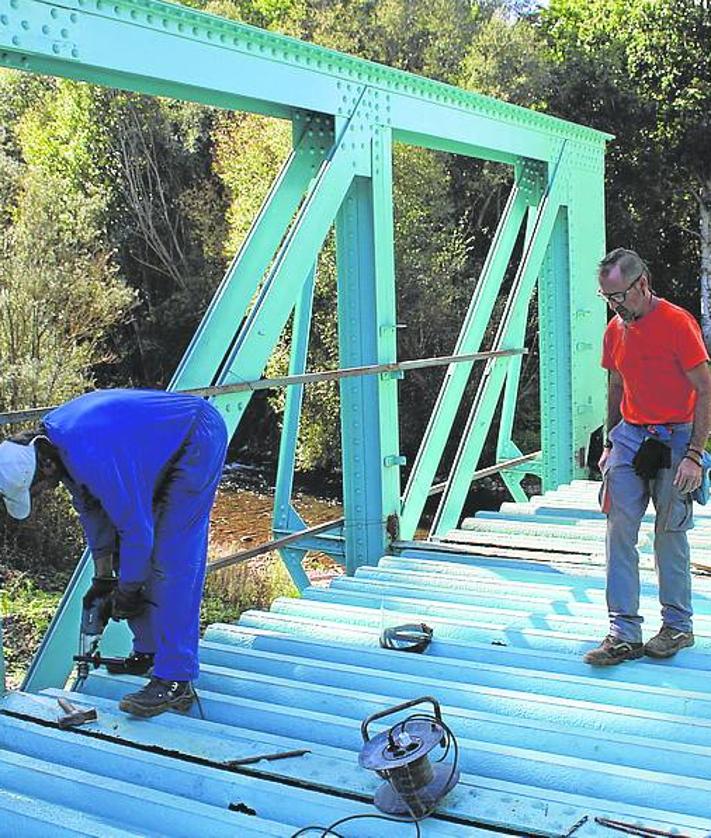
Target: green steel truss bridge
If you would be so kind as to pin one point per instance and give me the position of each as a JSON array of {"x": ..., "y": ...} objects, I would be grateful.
[{"x": 515, "y": 597}]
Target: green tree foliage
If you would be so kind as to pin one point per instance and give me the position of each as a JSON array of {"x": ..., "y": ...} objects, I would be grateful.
[
  {"x": 640, "y": 70},
  {"x": 167, "y": 226},
  {"x": 505, "y": 59},
  {"x": 285, "y": 16},
  {"x": 423, "y": 36},
  {"x": 59, "y": 285},
  {"x": 670, "y": 63},
  {"x": 433, "y": 283},
  {"x": 60, "y": 292}
]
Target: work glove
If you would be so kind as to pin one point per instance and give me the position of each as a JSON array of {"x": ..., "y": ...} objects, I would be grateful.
[
  {"x": 96, "y": 605},
  {"x": 126, "y": 605},
  {"x": 101, "y": 587}
]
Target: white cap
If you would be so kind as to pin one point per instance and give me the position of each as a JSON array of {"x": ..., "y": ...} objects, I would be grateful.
[{"x": 18, "y": 464}]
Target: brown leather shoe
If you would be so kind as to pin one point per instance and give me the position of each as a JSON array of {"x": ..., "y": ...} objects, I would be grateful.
[
  {"x": 668, "y": 642},
  {"x": 613, "y": 650}
]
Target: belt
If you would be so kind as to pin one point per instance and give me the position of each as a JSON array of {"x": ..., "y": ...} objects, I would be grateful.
[{"x": 650, "y": 425}]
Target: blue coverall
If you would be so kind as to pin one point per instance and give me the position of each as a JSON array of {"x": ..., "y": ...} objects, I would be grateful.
[{"x": 143, "y": 468}]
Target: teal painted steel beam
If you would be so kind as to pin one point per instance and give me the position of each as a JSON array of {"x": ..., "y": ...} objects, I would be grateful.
[
  {"x": 358, "y": 332},
  {"x": 506, "y": 448},
  {"x": 214, "y": 336},
  {"x": 366, "y": 327},
  {"x": 510, "y": 332},
  {"x": 169, "y": 50},
  {"x": 385, "y": 319},
  {"x": 587, "y": 315},
  {"x": 285, "y": 517},
  {"x": 283, "y": 511},
  {"x": 294, "y": 261},
  {"x": 555, "y": 363},
  {"x": 470, "y": 337}
]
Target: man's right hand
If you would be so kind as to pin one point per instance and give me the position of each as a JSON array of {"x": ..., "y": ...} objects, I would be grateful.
[{"x": 101, "y": 587}]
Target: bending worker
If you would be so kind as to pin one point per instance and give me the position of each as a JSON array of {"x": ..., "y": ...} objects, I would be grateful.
[
  {"x": 142, "y": 468},
  {"x": 659, "y": 418}
]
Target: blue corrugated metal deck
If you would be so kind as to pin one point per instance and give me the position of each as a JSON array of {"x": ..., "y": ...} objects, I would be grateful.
[{"x": 547, "y": 744}]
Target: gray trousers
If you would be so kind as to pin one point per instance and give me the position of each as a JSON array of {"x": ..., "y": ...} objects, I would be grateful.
[{"x": 629, "y": 496}]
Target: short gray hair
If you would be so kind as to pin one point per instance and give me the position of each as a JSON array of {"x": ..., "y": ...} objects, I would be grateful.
[{"x": 631, "y": 265}]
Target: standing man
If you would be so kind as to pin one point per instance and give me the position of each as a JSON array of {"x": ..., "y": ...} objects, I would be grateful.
[
  {"x": 142, "y": 468},
  {"x": 659, "y": 418}
]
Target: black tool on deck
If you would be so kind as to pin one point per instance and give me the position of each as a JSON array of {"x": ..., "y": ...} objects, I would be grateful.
[{"x": 400, "y": 755}]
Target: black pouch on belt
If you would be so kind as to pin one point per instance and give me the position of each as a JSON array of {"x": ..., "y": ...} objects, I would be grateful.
[{"x": 652, "y": 456}]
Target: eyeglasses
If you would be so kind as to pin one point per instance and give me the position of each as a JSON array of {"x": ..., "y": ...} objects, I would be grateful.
[{"x": 618, "y": 297}]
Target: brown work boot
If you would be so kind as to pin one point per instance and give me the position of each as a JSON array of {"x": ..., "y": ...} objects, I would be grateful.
[
  {"x": 668, "y": 642},
  {"x": 613, "y": 650}
]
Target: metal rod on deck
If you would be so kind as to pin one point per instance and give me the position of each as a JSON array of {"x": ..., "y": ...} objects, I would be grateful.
[
  {"x": 305, "y": 378},
  {"x": 485, "y": 472},
  {"x": 267, "y": 547}
]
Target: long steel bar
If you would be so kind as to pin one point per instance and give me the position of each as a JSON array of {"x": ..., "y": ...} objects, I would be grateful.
[
  {"x": 489, "y": 470},
  {"x": 277, "y": 543},
  {"x": 268, "y": 546},
  {"x": 17, "y": 416}
]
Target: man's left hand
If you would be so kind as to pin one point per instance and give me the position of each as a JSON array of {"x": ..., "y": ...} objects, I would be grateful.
[
  {"x": 126, "y": 605},
  {"x": 688, "y": 476}
]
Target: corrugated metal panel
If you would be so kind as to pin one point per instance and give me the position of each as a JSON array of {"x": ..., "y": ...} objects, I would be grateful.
[{"x": 547, "y": 744}]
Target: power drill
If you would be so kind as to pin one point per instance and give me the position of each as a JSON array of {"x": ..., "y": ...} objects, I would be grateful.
[{"x": 95, "y": 615}]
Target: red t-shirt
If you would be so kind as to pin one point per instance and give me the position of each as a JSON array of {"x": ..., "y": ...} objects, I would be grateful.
[{"x": 652, "y": 355}]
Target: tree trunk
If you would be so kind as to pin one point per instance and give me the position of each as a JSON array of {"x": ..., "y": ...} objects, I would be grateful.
[{"x": 705, "y": 275}]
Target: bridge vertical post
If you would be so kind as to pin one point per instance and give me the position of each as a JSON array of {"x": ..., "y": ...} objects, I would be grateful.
[
  {"x": 366, "y": 324},
  {"x": 571, "y": 319}
]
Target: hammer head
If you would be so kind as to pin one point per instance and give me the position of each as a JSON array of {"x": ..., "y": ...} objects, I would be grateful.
[{"x": 75, "y": 716}]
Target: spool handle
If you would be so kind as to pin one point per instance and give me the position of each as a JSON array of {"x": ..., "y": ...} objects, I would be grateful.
[{"x": 382, "y": 713}]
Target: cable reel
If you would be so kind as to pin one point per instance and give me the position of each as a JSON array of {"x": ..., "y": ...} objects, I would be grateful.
[{"x": 400, "y": 755}]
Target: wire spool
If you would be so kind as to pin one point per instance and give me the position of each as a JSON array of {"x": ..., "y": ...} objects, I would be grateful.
[{"x": 400, "y": 755}]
